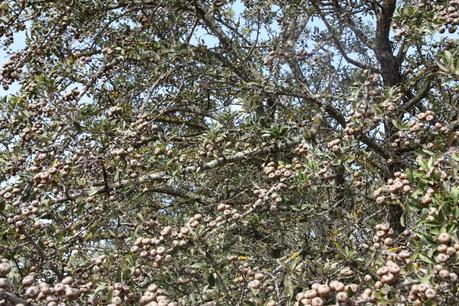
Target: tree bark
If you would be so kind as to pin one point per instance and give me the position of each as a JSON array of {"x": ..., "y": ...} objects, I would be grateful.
[{"x": 390, "y": 71}]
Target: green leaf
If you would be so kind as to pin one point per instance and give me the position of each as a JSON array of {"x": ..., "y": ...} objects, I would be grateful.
[
  {"x": 288, "y": 285},
  {"x": 93, "y": 192},
  {"x": 426, "y": 259},
  {"x": 198, "y": 265}
]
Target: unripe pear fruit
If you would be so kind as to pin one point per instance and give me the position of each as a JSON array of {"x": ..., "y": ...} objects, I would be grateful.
[
  {"x": 323, "y": 290},
  {"x": 310, "y": 294},
  {"x": 32, "y": 291},
  {"x": 444, "y": 238},
  {"x": 317, "y": 301},
  {"x": 28, "y": 280},
  {"x": 341, "y": 297},
  {"x": 5, "y": 268}
]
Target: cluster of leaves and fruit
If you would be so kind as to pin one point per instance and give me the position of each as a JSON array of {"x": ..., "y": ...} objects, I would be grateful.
[{"x": 197, "y": 152}]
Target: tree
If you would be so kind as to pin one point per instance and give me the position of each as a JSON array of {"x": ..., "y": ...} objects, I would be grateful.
[{"x": 230, "y": 153}]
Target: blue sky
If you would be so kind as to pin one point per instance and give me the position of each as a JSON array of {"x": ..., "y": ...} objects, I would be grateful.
[{"x": 200, "y": 35}]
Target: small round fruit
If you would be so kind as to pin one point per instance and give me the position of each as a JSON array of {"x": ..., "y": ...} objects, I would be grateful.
[{"x": 444, "y": 238}]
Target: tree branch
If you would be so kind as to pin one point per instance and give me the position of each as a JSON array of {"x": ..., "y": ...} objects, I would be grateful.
[
  {"x": 163, "y": 176},
  {"x": 12, "y": 298},
  {"x": 418, "y": 98},
  {"x": 390, "y": 69},
  {"x": 42, "y": 253},
  {"x": 339, "y": 45}
]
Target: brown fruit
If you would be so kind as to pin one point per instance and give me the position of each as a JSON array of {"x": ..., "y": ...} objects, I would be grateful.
[
  {"x": 310, "y": 294},
  {"x": 444, "y": 238},
  {"x": 5, "y": 268},
  {"x": 28, "y": 280}
]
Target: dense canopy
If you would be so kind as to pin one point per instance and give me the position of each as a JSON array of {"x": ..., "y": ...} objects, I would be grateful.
[{"x": 176, "y": 152}]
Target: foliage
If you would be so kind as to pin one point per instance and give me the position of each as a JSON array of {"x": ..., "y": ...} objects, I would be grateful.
[{"x": 229, "y": 153}]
